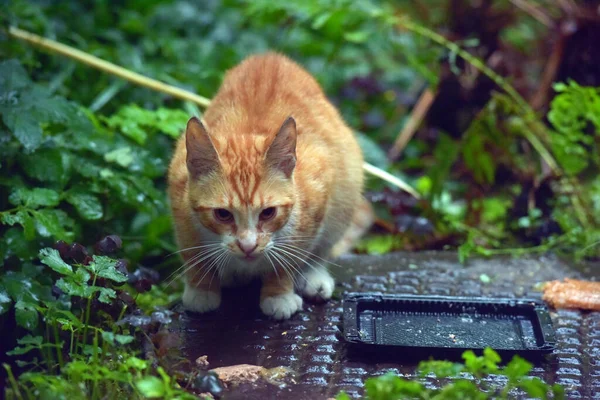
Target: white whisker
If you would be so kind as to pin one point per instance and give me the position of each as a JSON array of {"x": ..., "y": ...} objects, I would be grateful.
[
  {"x": 272, "y": 265},
  {"x": 197, "y": 260},
  {"x": 285, "y": 264},
  {"x": 191, "y": 263},
  {"x": 299, "y": 249},
  {"x": 210, "y": 266},
  {"x": 209, "y": 244}
]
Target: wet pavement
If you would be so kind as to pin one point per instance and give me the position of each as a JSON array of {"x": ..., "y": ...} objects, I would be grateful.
[{"x": 311, "y": 344}]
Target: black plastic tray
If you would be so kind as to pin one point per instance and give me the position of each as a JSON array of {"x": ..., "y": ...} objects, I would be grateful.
[{"x": 451, "y": 323}]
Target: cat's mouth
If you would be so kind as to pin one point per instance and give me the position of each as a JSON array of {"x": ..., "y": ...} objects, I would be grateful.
[{"x": 251, "y": 257}]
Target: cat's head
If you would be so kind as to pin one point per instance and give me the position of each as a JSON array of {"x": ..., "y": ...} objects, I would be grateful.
[{"x": 241, "y": 186}]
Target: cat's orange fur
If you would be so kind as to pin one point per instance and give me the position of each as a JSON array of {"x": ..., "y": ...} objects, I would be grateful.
[{"x": 270, "y": 139}]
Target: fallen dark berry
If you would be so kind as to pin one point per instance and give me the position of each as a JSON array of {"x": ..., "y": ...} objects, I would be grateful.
[
  {"x": 77, "y": 253},
  {"x": 403, "y": 222},
  {"x": 63, "y": 249},
  {"x": 100, "y": 282},
  {"x": 109, "y": 244},
  {"x": 143, "y": 285},
  {"x": 121, "y": 266},
  {"x": 144, "y": 273},
  {"x": 126, "y": 299},
  {"x": 56, "y": 292},
  {"x": 422, "y": 226}
]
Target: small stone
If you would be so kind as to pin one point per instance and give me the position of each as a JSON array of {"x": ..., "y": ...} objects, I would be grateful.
[
  {"x": 209, "y": 382},
  {"x": 237, "y": 374},
  {"x": 202, "y": 362}
]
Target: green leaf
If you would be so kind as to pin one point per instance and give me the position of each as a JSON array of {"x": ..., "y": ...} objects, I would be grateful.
[
  {"x": 116, "y": 338},
  {"x": 49, "y": 223},
  {"x": 357, "y": 36},
  {"x": 52, "y": 258},
  {"x": 150, "y": 387},
  {"x": 21, "y": 217},
  {"x": 445, "y": 153},
  {"x": 134, "y": 122},
  {"x": 106, "y": 294},
  {"x": 380, "y": 244},
  {"x": 517, "y": 368},
  {"x": 136, "y": 363},
  {"x": 12, "y": 76},
  {"x": 34, "y": 198},
  {"x": 26, "y": 315},
  {"x": 26, "y": 344},
  {"x": 104, "y": 267},
  {"x": 86, "y": 204},
  {"x": 25, "y": 129},
  {"x": 81, "y": 276},
  {"x": 572, "y": 113},
  {"x": 45, "y": 165},
  {"x": 535, "y": 388},
  {"x": 441, "y": 369},
  {"x": 390, "y": 386},
  {"x": 121, "y": 156},
  {"x": 72, "y": 288},
  {"x": 5, "y": 301}
]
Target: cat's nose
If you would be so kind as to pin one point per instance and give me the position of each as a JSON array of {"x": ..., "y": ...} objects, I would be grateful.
[{"x": 247, "y": 246}]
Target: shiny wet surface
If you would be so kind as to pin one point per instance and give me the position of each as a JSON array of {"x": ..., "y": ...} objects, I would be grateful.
[{"x": 311, "y": 343}]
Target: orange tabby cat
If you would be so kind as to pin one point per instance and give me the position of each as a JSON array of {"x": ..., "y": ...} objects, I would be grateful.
[{"x": 269, "y": 185}]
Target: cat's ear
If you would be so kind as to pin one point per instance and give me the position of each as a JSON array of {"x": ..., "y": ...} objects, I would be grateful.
[
  {"x": 282, "y": 152},
  {"x": 202, "y": 157}
]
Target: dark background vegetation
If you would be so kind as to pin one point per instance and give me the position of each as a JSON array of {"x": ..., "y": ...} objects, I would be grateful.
[{"x": 84, "y": 154}]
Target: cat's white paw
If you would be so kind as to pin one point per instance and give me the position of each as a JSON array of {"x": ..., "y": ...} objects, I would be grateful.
[
  {"x": 282, "y": 306},
  {"x": 317, "y": 285},
  {"x": 198, "y": 300}
]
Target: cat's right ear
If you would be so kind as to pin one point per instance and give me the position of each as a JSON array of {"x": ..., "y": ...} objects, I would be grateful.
[{"x": 202, "y": 157}]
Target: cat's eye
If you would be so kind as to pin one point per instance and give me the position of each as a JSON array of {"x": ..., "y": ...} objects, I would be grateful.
[
  {"x": 268, "y": 213},
  {"x": 222, "y": 215}
]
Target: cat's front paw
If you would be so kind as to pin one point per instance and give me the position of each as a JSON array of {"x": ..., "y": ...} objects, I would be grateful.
[
  {"x": 199, "y": 300},
  {"x": 317, "y": 285},
  {"x": 282, "y": 306}
]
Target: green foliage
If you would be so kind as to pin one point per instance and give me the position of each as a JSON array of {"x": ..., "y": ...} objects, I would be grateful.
[
  {"x": 515, "y": 374},
  {"x": 575, "y": 116},
  {"x": 102, "y": 359},
  {"x": 83, "y": 154},
  {"x": 67, "y": 174},
  {"x": 134, "y": 122}
]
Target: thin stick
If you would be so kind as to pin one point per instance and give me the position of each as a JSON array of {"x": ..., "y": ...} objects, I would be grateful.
[
  {"x": 141, "y": 80},
  {"x": 549, "y": 74},
  {"x": 113, "y": 69},
  {"x": 415, "y": 119},
  {"x": 535, "y": 12},
  {"x": 529, "y": 115}
]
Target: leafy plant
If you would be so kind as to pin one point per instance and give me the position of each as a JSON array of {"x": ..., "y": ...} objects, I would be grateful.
[
  {"x": 84, "y": 352},
  {"x": 515, "y": 374},
  {"x": 67, "y": 174},
  {"x": 575, "y": 117}
]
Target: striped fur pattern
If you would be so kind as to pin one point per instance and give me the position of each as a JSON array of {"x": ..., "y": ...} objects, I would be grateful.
[{"x": 266, "y": 185}]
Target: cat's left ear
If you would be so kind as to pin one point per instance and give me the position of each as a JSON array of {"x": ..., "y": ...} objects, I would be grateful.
[{"x": 282, "y": 152}]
